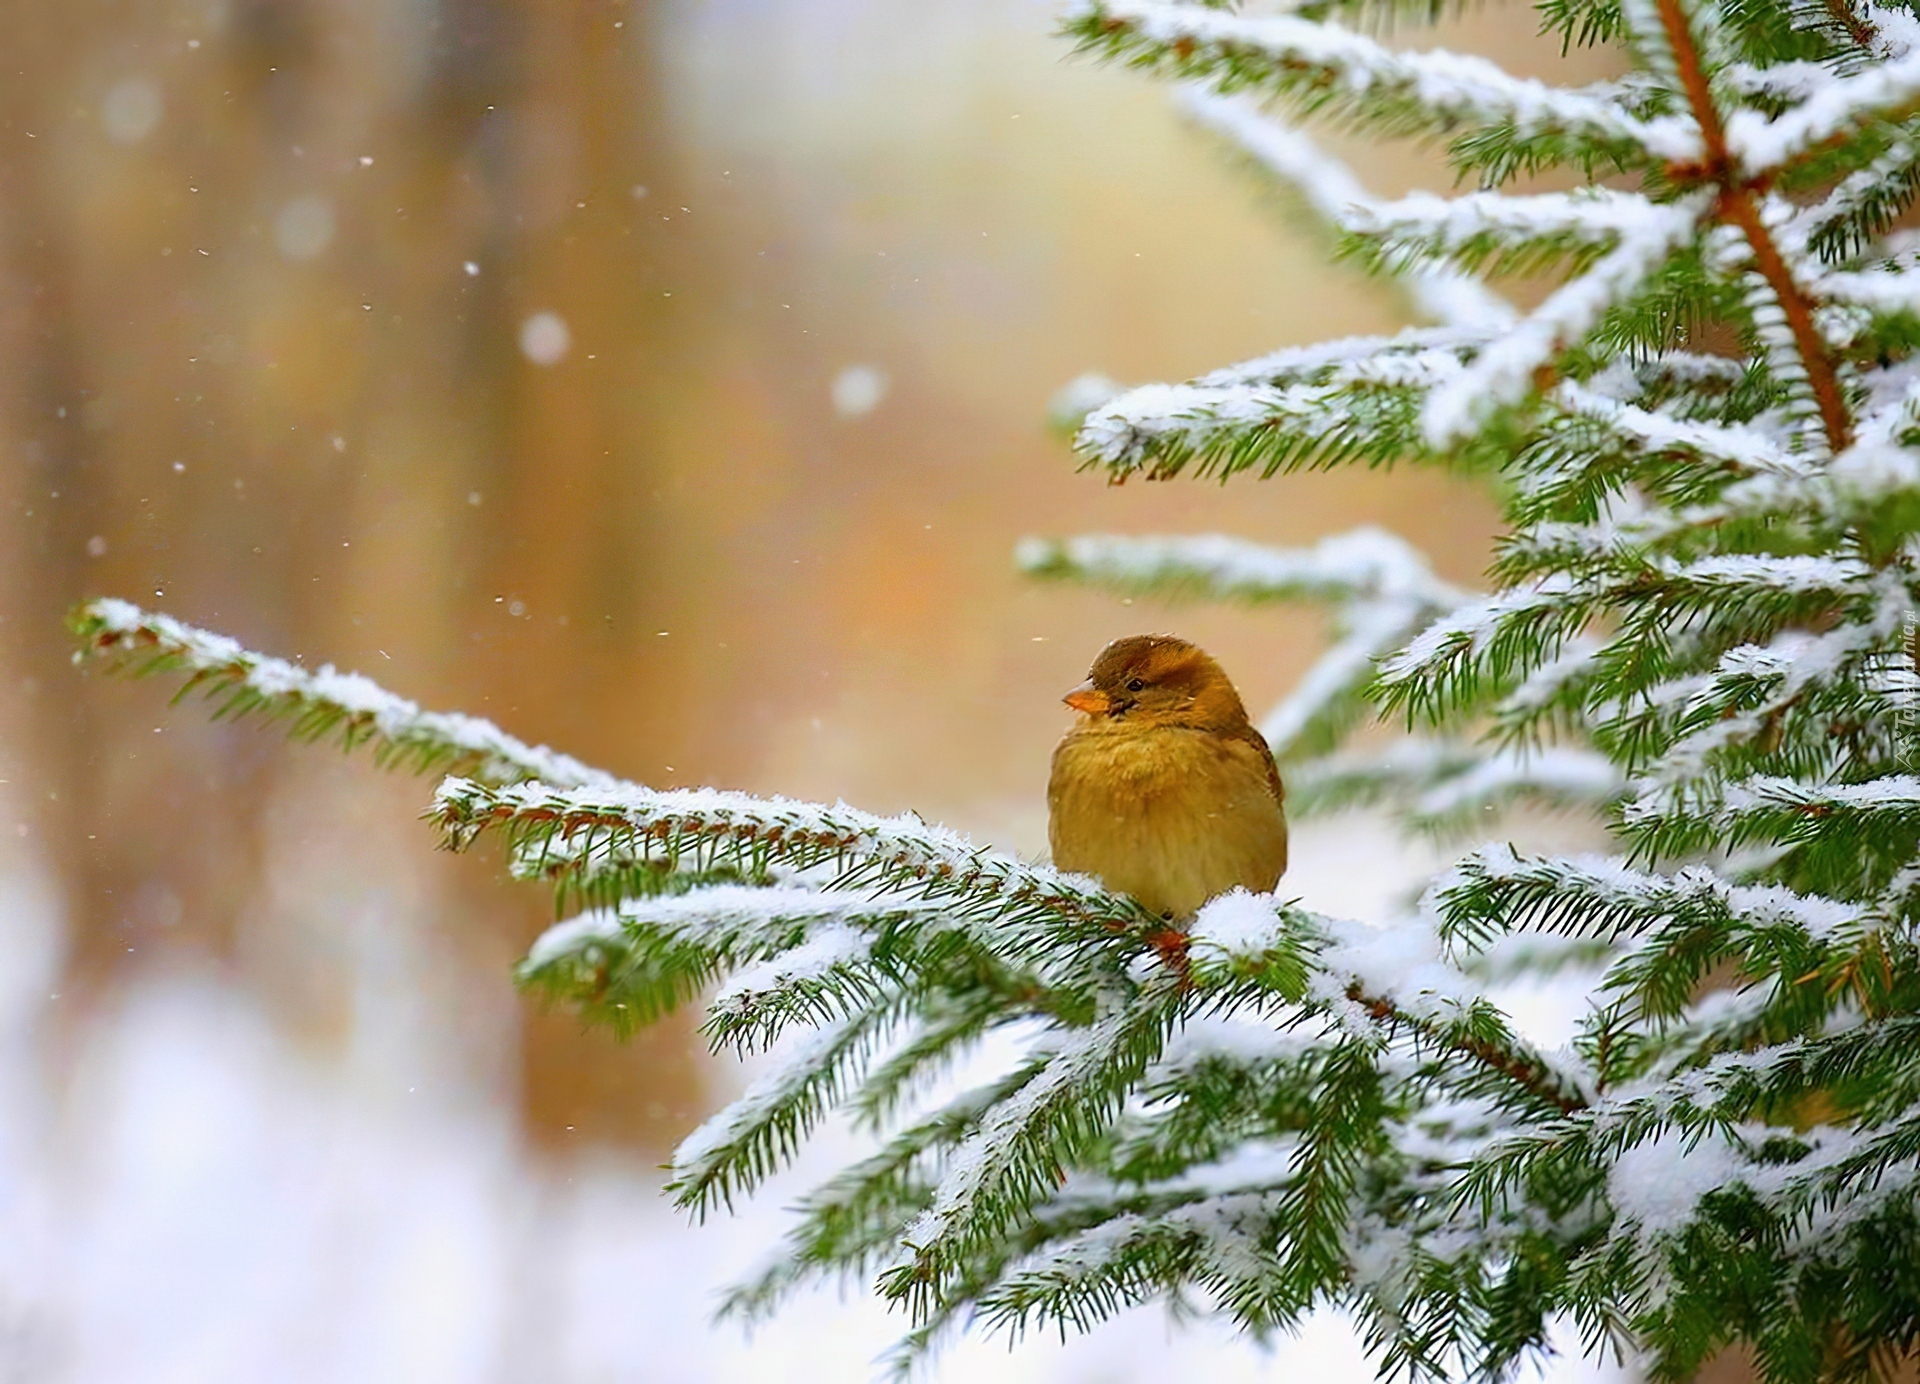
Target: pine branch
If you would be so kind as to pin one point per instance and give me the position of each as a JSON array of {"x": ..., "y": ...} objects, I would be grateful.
[
  {"x": 748, "y": 1140},
  {"x": 796, "y": 956},
  {"x": 1382, "y": 591},
  {"x": 1336, "y": 195},
  {"x": 1837, "y": 816},
  {"x": 1367, "y": 564},
  {"x": 1884, "y": 90},
  {"x": 1358, "y": 966},
  {"x": 1323, "y": 69},
  {"x": 1307, "y": 408},
  {"x": 714, "y": 829},
  {"x": 1510, "y": 366},
  {"x": 323, "y": 705},
  {"x": 1491, "y": 232},
  {"x": 1441, "y": 787},
  {"x": 1012, "y": 1161},
  {"x": 1736, "y": 206}
]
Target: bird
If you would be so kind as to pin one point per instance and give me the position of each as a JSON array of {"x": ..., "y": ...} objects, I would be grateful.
[{"x": 1162, "y": 789}]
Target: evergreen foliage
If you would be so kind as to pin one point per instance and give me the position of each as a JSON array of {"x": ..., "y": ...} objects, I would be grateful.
[{"x": 1700, "y": 629}]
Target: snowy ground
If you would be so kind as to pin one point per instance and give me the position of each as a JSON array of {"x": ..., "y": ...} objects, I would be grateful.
[{"x": 201, "y": 1202}]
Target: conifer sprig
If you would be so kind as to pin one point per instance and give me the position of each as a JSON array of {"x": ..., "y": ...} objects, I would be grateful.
[{"x": 317, "y": 705}]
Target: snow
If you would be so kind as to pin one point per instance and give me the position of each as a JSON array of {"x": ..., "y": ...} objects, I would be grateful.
[
  {"x": 1504, "y": 370},
  {"x": 1424, "y": 222},
  {"x": 736, "y": 915},
  {"x": 304, "y": 227},
  {"x": 1434, "y": 350},
  {"x": 1242, "y": 1039},
  {"x": 1080, "y": 396},
  {"x": 1238, "y": 925},
  {"x": 1404, "y": 962},
  {"x": 858, "y": 390},
  {"x": 1455, "y": 88},
  {"x": 574, "y": 935},
  {"x": 1892, "y": 791},
  {"x": 1883, "y": 290},
  {"x": 928, "y": 860},
  {"x": 1364, "y": 563},
  {"x": 1659, "y": 1183},
  {"x": 394, "y": 717},
  {"x": 826, "y": 949},
  {"x": 131, "y": 110},
  {"x": 1372, "y": 630},
  {"x": 1448, "y": 297},
  {"x": 1746, "y": 448},
  {"x": 1831, "y": 106},
  {"x": 545, "y": 338}
]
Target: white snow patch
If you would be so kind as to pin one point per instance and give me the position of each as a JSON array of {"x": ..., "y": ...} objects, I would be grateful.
[{"x": 1237, "y": 924}]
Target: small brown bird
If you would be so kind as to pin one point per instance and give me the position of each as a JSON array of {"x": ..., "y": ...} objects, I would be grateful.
[{"x": 1164, "y": 790}]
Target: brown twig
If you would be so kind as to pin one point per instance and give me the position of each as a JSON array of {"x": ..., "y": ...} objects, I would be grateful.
[{"x": 1736, "y": 206}]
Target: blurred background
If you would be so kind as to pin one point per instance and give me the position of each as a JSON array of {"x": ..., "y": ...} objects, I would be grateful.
[{"x": 667, "y": 381}]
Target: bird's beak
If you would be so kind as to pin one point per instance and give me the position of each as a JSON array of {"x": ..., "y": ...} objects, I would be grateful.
[{"x": 1086, "y": 697}]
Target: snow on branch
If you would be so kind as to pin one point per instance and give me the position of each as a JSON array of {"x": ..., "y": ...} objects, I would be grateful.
[
  {"x": 1362, "y": 565},
  {"x": 1489, "y": 645},
  {"x": 1831, "y": 105},
  {"x": 749, "y": 1139},
  {"x": 1439, "y": 785},
  {"x": 1788, "y": 692},
  {"x": 1661, "y": 1154},
  {"x": 1861, "y": 205},
  {"x": 1322, "y": 68},
  {"x": 1776, "y": 809},
  {"x": 1012, "y": 1160},
  {"x": 1300, "y": 410},
  {"x": 1506, "y": 368},
  {"x": 321, "y": 705},
  {"x": 1396, "y": 978},
  {"x": 1508, "y": 232},
  {"x": 1494, "y": 890},
  {"x": 1495, "y": 639},
  {"x": 1745, "y": 449},
  {"x": 796, "y": 955},
  {"x": 715, "y": 828},
  {"x": 1330, "y": 188}
]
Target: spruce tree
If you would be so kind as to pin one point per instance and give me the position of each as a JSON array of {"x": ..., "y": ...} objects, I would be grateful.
[{"x": 1699, "y": 627}]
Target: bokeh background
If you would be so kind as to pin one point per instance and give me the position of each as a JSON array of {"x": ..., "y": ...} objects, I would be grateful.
[{"x": 666, "y": 380}]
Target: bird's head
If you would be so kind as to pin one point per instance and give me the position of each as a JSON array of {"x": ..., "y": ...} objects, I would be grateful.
[{"x": 1156, "y": 679}]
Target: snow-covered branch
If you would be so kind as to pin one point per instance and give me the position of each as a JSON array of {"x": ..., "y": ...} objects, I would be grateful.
[
  {"x": 1325, "y": 69},
  {"x": 715, "y": 828},
  {"x": 319, "y": 705},
  {"x": 1362, "y": 565},
  {"x": 1331, "y": 189}
]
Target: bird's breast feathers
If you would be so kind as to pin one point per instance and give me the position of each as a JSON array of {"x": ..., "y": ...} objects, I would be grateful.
[{"x": 1170, "y": 815}]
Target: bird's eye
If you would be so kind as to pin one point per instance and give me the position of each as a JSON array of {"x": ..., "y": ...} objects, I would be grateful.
[{"x": 1134, "y": 684}]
